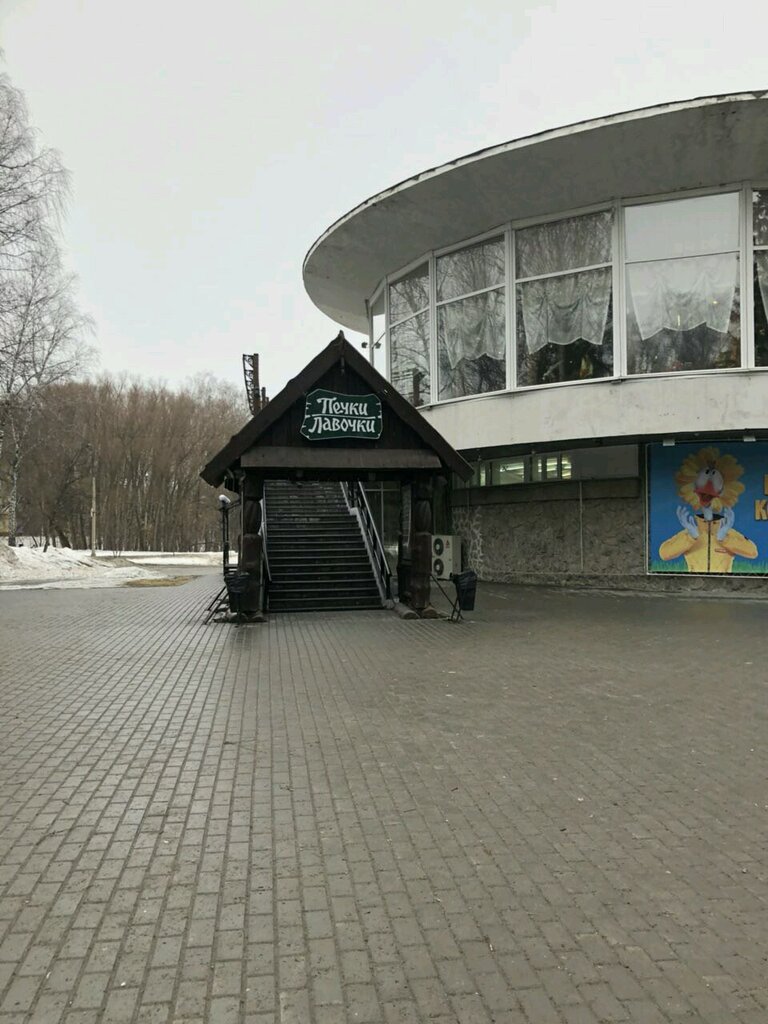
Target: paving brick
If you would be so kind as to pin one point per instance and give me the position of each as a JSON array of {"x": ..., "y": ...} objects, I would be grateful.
[{"x": 241, "y": 825}]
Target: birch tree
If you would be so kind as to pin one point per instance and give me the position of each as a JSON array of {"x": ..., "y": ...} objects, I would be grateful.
[
  {"x": 41, "y": 329},
  {"x": 42, "y": 342}
]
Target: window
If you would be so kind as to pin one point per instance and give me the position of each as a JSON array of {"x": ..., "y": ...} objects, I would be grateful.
[
  {"x": 680, "y": 300},
  {"x": 564, "y": 300},
  {"x": 409, "y": 335},
  {"x": 471, "y": 320},
  {"x": 551, "y": 467},
  {"x": 508, "y": 471},
  {"x": 760, "y": 273},
  {"x": 603, "y": 463},
  {"x": 683, "y": 285},
  {"x": 480, "y": 477}
]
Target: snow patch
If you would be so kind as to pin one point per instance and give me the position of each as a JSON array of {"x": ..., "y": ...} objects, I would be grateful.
[{"x": 61, "y": 567}]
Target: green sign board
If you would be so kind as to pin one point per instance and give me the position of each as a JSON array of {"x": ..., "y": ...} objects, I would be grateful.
[{"x": 329, "y": 416}]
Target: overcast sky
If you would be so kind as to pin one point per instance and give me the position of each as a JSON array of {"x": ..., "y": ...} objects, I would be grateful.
[{"x": 211, "y": 143}]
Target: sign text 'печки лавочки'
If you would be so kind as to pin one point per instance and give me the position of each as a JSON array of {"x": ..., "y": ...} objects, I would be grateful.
[{"x": 329, "y": 415}]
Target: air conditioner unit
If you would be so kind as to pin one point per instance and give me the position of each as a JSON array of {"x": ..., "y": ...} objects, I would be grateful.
[{"x": 446, "y": 555}]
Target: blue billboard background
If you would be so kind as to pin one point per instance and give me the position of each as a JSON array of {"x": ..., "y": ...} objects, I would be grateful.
[{"x": 731, "y": 535}]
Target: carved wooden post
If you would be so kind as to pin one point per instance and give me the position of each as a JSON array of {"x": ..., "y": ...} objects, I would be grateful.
[
  {"x": 403, "y": 545},
  {"x": 251, "y": 554},
  {"x": 421, "y": 545}
]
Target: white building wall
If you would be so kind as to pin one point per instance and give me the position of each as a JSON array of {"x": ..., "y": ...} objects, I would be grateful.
[{"x": 735, "y": 401}]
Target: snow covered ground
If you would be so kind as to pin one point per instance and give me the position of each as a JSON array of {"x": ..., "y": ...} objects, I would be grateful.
[
  {"x": 25, "y": 567},
  {"x": 212, "y": 558}
]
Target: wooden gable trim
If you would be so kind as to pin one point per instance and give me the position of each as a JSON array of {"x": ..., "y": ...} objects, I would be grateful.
[
  {"x": 338, "y": 350},
  {"x": 357, "y": 459}
]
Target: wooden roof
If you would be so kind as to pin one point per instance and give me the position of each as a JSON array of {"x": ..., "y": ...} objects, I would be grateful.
[{"x": 259, "y": 443}]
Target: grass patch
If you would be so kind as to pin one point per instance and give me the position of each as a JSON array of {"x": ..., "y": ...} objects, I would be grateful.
[
  {"x": 166, "y": 581},
  {"x": 741, "y": 567}
]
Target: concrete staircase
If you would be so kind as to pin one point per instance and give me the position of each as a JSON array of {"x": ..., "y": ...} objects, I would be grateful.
[{"x": 317, "y": 556}]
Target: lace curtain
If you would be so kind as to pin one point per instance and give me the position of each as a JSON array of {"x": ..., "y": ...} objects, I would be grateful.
[
  {"x": 684, "y": 293},
  {"x": 561, "y": 310},
  {"x": 472, "y": 328}
]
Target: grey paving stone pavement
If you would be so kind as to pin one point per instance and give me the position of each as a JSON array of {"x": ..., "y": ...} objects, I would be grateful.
[{"x": 554, "y": 812}]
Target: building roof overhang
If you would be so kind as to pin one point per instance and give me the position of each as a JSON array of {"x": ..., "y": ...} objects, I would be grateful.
[{"x": 699, "y": 143}]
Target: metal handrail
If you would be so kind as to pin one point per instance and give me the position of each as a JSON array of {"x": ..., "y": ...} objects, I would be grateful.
[
  {"x": 356, "y": 498},
  {"x": 263, "y": 533},
  {"x": 267, "y": 576}
]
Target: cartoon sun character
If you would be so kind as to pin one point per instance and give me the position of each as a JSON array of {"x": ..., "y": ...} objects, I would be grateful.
[{"x": 709, "y": 484}]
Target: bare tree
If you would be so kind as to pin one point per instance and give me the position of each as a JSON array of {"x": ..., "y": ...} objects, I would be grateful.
[
  {"x": 41, "y": 329},
  {"x": 41, "y": 343},
  {"x": 146, "y": 444},
  {"x": 33, "y": 183}
]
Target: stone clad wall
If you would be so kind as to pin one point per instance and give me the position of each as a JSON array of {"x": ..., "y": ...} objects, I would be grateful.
[
  {"x": 591, "y": 534},
  {"x": 559, "y": 529}
]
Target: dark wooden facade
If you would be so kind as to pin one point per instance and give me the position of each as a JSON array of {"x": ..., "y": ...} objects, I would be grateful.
[{"x": 271, "y": 446}]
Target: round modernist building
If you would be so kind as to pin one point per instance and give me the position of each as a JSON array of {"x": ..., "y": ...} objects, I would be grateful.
[{"x": 583, "y": 314}]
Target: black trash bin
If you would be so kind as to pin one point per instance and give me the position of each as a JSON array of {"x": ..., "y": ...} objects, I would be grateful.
[
  {"x": 239, "y": 585},
  {"x": 466, "y": 588}
]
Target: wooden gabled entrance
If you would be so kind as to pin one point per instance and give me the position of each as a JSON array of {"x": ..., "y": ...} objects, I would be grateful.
[{"x": 338, "y": 420}]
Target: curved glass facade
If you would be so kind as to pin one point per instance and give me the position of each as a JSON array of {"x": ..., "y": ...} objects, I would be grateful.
[{"x": 658, "y": 286}]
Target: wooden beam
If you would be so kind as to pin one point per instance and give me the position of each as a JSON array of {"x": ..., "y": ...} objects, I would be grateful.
[{"x": 277, "y": 457}]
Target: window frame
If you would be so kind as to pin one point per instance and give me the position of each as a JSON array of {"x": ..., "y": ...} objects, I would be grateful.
[
  {"x": 387, "y": 284},
  {"x": 381, "y": 292},
  {"x": 671, "y": 197},
  {"x": 619, "y": 266},
  {"x": 438, "y": 254},
  {"x": 565, "y": 273},
  {"x": 750, "y": 247}
]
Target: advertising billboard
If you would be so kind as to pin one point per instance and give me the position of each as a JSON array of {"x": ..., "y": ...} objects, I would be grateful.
[{"x": 708, "y": 508}]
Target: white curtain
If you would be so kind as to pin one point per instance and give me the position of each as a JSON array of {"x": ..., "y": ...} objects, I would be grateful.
[
  {"x": 561, "y": 310},
  {"x": 761, "y": 262},
  {"x": 684, "y": 293},
  {"x": 473, "y": 327},
  {"x": 564, "y": 244}
]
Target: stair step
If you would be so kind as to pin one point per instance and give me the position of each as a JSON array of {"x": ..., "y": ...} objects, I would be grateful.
[
  {"x": 299, "y": 515},
  {"x": 330, "y": 605},
  {"x": 313, "y": 530},
  {"x": 353, "y": 542},
  {"x": 322, "y": 588},
  {"x": 296, "y": 559},
  {"x": 290, "y": 555},
  {"x": 301, "y": 552},
  {"x": 317, "y": 557},
  {"x": 330, "y": 572},
  {"x": 279, "y": 570},
  {"x": 325, "y": 543}
]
